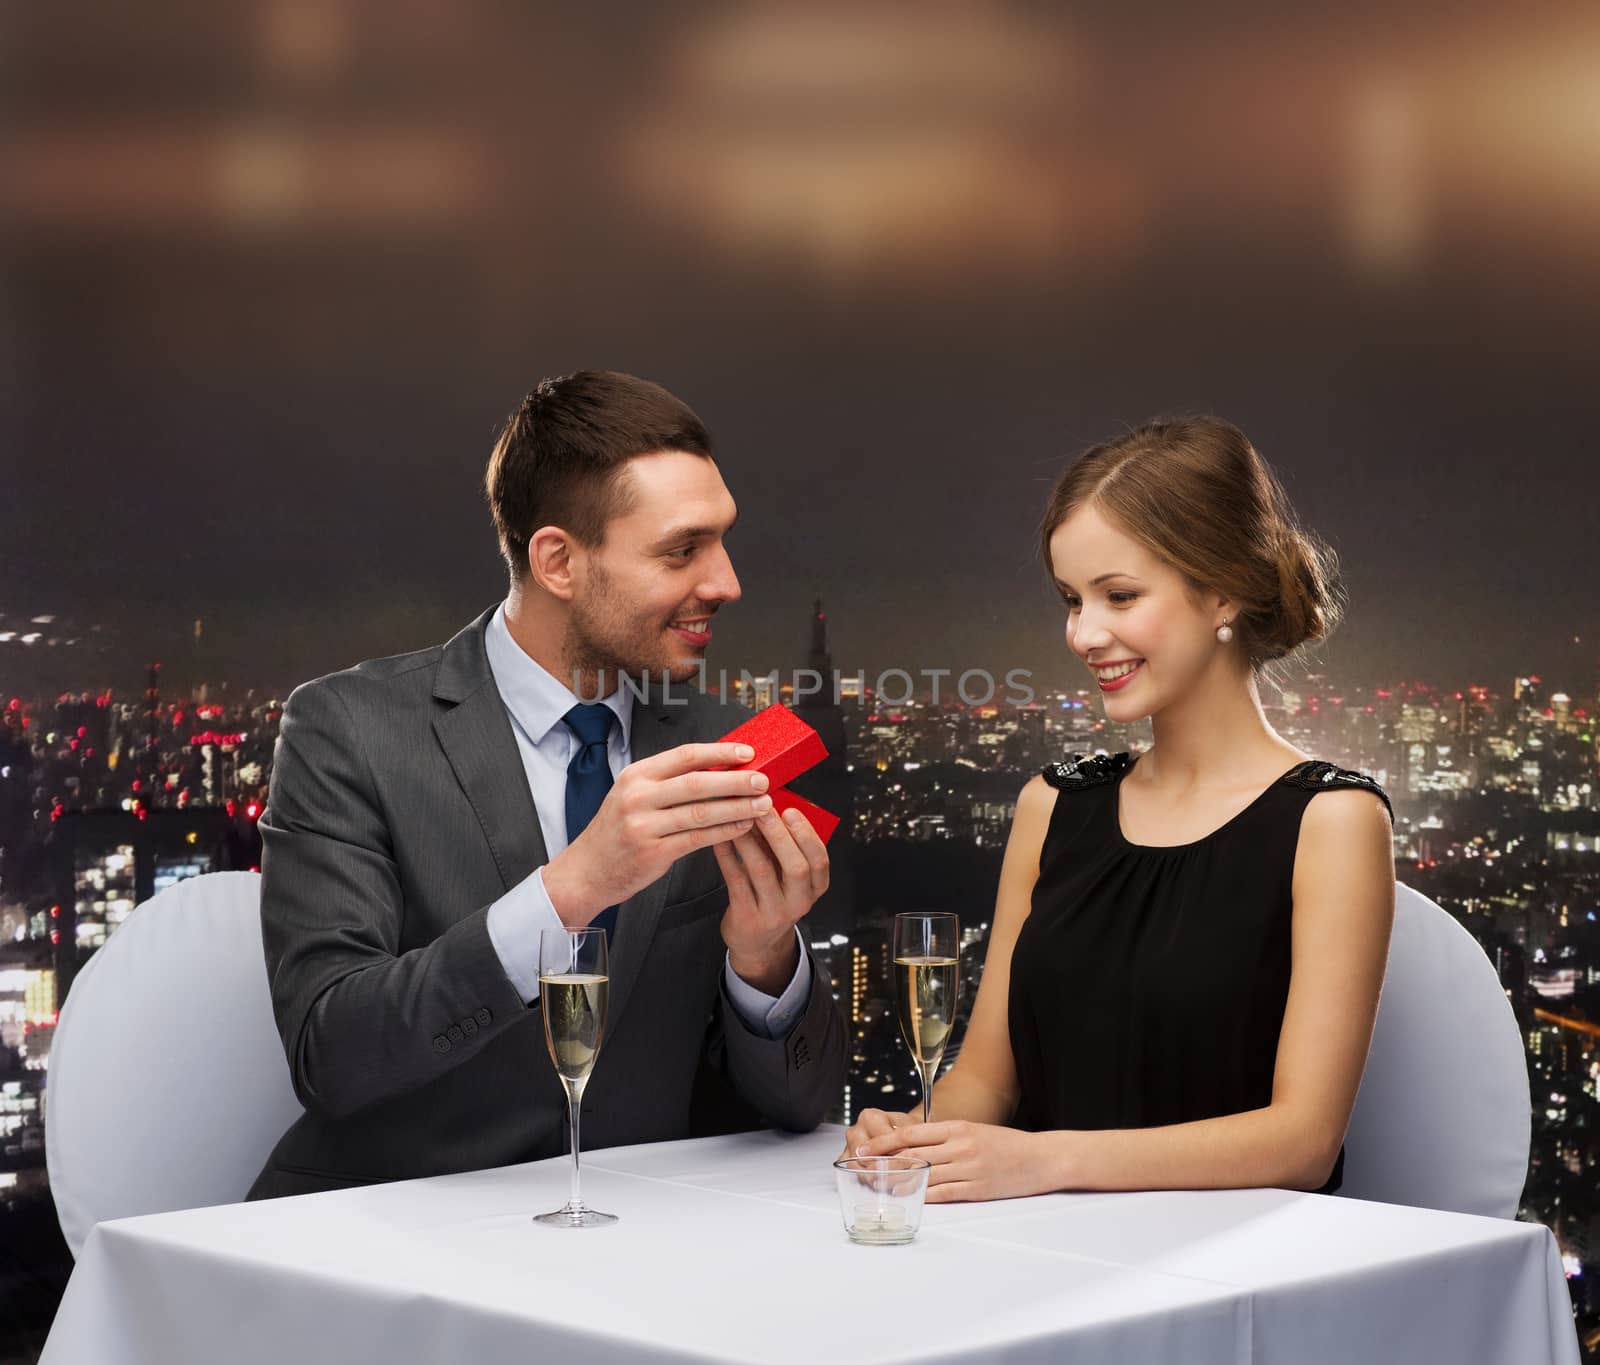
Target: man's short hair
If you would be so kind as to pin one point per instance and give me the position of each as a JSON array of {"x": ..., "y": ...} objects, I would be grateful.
[{"x": 561, "y": 456}]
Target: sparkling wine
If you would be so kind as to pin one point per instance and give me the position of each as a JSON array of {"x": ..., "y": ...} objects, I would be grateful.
[
  {"x": 925, "y": 997},
  {"x": 574, "y": 1008}
]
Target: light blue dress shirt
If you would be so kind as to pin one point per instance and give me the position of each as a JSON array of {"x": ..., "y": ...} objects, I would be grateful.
[{"x": 536, "y": 701}]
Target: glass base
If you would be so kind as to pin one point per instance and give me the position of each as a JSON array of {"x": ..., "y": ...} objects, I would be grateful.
[
  {"x": 880, "y": 1227},
  {"x": 880, "y": 1239},
  {"x": 575, "y": 1216}
]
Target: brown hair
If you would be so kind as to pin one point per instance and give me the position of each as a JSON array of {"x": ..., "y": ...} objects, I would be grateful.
[
  {"x": 1194, "y": 491},
  {"x": 561, "y": 455}
]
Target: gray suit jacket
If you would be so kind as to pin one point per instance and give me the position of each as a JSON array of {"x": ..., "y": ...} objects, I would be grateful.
[{"x": 399, "y": 812}]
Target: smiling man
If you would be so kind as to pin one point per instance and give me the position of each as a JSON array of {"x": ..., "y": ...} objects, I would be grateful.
[{"x": 431, "y": 813}]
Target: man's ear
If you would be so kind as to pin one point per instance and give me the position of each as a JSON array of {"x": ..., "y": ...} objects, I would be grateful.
[{"x": 550, "y": 555}]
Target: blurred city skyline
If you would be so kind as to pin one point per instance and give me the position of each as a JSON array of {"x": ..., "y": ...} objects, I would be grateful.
[{"x": 278, "y": 272}]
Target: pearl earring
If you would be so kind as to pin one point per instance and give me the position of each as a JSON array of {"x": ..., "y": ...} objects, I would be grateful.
[{"x": 1224, "y": 634}]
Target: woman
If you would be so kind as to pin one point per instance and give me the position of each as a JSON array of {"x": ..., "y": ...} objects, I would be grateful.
[{"x": 1187, "y": 948}]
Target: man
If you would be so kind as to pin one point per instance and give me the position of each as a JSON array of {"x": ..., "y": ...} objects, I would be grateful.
[{"x": 431, "y": 813}]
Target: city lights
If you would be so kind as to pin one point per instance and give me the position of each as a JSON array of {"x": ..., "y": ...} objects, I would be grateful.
[{"x": 1495, "y": 795}]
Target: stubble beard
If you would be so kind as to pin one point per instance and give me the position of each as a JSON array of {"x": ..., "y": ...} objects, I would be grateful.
[{"x": 605, "y": 639}]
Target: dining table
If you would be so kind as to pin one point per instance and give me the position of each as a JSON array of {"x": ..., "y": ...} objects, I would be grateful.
[{"x": 733, "y": 1249}]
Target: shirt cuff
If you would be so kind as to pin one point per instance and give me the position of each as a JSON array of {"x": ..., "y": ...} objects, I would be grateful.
[
  {"x": 514, "y": 923},
  {"x": 772, "y": 1016}
]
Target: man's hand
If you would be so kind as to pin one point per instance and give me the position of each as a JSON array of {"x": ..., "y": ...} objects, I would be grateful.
[
  {"x": 658, "y": 810},
  {"x": 976, "y": 1160},
  {"x": 774, "y": 875}
]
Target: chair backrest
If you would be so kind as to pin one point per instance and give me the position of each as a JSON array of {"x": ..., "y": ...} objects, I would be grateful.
[
  {"x": 1443, "y": 1118},
  {"x": 168, "y": 1086}
]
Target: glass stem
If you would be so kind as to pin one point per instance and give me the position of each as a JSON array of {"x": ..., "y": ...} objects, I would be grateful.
[
  {"x": 927, "y": 1091},
  {"x": 574, "y": 1100}
]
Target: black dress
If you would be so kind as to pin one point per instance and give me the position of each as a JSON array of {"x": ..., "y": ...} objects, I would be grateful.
[{"x": 1148, "y": 984}]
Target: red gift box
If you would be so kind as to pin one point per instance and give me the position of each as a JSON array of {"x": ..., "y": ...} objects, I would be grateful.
[
  {"x": 823, "y": 821},
  {"x": 785, "y": 747}
]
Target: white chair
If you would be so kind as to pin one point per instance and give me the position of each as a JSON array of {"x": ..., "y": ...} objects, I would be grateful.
[
  {"x": 168, "y": 1085},
  {"x": 1443, "y": 1117}
]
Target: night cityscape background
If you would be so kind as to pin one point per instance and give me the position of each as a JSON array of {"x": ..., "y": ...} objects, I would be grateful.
[
  {"x": 106, "y": 799},
  {"x": 275, "y": 272}
]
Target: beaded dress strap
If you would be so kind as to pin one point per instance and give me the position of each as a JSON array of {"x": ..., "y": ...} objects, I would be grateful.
[
  {"x": 1315, "y": 775},
  {"x": 1083, "y": 771}
]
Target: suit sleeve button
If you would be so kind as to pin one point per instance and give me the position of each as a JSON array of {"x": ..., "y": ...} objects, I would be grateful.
[
  {"x": 469, "y": 1026},
  {"x": 483, "y": 1017},
  {"x": 453, "y": 1033},
  {"x": 441, "y": 1043}
]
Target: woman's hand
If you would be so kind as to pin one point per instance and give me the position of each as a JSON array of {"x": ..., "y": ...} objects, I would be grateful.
[
  {"x": 871, "y": 1123},
  {"x": 974, "y": 1160}
]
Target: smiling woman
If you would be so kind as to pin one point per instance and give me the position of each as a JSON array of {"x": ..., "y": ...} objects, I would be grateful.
[
  {"x": 1195, "y": 495},
  {"x": 1187, "y": 949}
]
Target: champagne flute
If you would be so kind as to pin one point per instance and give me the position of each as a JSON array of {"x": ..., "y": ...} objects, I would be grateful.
[
  {"x": 574, "y": 979},
  {"x": 927, "y": 961}
]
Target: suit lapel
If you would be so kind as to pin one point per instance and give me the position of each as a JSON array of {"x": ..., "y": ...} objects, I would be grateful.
[
  {"x": 656, "y": 727},
  {"x": 475, "y": 733}
]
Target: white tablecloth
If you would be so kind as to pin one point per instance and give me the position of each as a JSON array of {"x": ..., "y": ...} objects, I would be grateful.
[{"x": 732, "y": 1249}]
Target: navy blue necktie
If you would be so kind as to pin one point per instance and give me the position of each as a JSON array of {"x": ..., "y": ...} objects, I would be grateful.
[{"x": 588, "y": 780}]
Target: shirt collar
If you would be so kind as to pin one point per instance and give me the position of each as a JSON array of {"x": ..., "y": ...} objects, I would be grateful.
[{"x": 535, "y": 697}]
